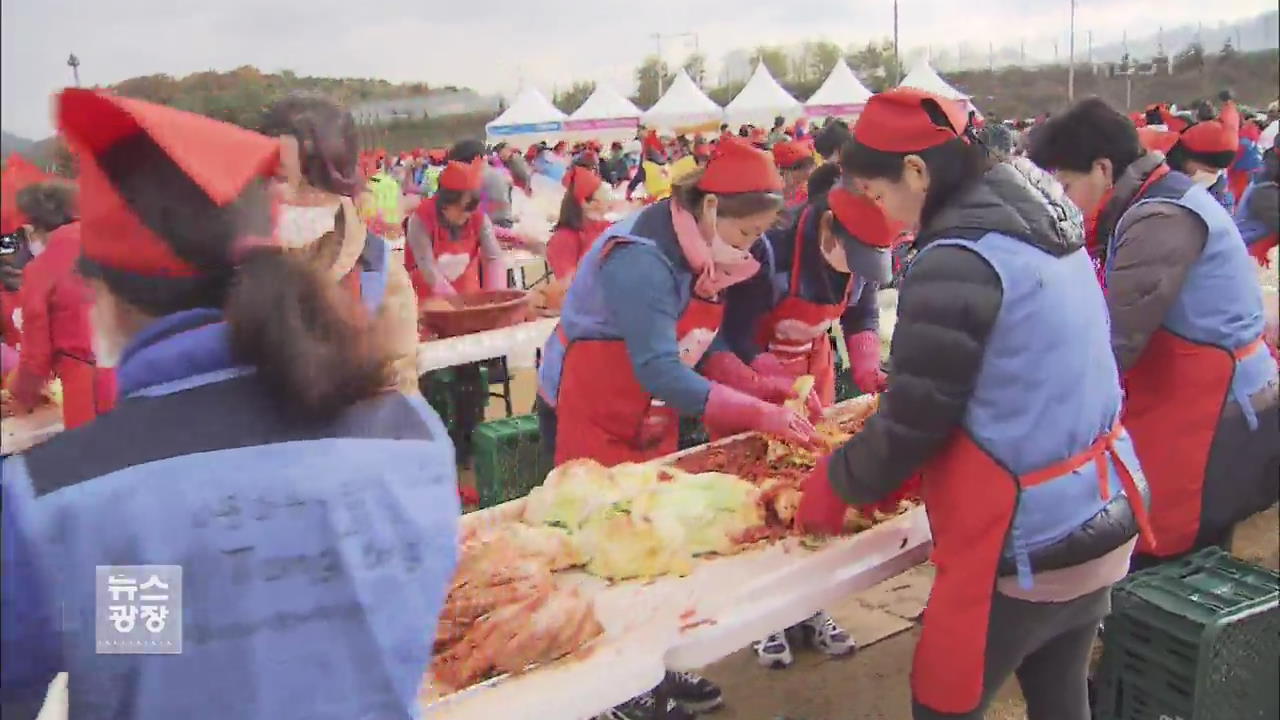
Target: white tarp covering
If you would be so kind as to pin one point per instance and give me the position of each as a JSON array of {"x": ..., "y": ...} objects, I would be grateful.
[
  {"x": 605, "y": 103},
  {"x": 925, "y": 78},
  {"x": 530, "y": 115},
  {"x": 761, "y": 100},
  {"x": 842, "y": 93},
  {"x": 682, "y": 105}
]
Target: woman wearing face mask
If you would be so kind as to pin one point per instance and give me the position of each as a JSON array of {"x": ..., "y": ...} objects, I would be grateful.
[
  {"x": 451, "y": 244},
  {"x": 258, "y": 445},
  {"x": 1006, "y": 407},
  {"x": 1186, "y": 326},
  {"x": 586, "y": 199},
  {"x": 1205, "y": 150},
  {"x": 318, "y": 220},
  {"x": 57, "y": 338},
  {"x": 825, "y": 267},
  {"x": 15, "y": 253},
  {"x": 643, "y": 310}
]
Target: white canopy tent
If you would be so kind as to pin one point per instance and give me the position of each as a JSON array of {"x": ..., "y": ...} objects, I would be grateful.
[
  {"x": 605, "y": 103},
  {"x": 605, "y": 116},
  {"x": 530, "y": 118},
  {"x": 925, "y": 78},
  {"x": 842, "y": 94},
  {"x": 761, "y": 100},
  {"x": 683, "y": 107}
]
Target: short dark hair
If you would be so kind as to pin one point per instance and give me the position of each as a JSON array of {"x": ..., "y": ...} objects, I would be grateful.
[
  {"x": 1091, "y": 130},
  {"x": 1179, "y": 155},
  {"x": 465, "y": 151},
  {"x": 48, "y": 205},
  {"x": 831, "y": 138},
  {"x": 953, "y": 166},
  {"x": 822, "y": 180}
]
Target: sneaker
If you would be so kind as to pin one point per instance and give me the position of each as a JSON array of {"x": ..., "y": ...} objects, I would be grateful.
[
  {"x": 774, "y": 652},
  {"x": 644, "y": 708},
  {"x": 824, "y": 635},
  {"x": 693, "y": 691}
]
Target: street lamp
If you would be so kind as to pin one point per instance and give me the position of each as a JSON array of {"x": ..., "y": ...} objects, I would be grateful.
[
  {"x": 73, "y": 62},
  {"x": 1071, "y": 57}
]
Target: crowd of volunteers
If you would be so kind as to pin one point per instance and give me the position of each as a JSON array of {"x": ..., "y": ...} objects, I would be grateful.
[{"x": 1080, "y": 382}]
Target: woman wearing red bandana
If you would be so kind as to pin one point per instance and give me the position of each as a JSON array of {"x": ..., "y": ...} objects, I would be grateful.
[
  {"x": 1003, "y": 405},
  {"x": 636, "y": 345},
  {"x": 581, "y": 221},
  {"x": 451, "y": 244}
]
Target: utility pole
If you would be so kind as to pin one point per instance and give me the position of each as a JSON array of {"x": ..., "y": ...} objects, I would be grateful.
[
  {"x": 991, "y": 57},
  {"x": 897, "y": 59},
  {"x": 1022, "y": 52},
  {"x": 1090, "y": 47},
  {"x": 1071, "y": 57},
  {"x": 657, "y": 41},
  {"x": 73, "y": 62}
]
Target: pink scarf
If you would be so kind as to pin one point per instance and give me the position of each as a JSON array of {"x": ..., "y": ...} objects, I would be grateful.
[{"x": 712, "y": 277}]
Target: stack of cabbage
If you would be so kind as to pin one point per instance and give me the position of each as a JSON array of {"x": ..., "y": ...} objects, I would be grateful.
[{"x": 643, "y": 521}]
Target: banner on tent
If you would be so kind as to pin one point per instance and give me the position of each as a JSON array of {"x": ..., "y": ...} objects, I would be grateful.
[
  {"x": 526, "y": 128},
  {"x": 606, "y": 124},
  {"x": 850, "y": 110}
]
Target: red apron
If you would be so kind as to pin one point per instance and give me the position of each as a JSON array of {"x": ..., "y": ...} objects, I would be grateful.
[
  {"x": 971, "y": 502},
  {"x": 1174, "y": 397},
  {"x": 456, "y": 258},
  {"x": 602, "y": 411},
  {"x": 796, "y": 330},
  {"x": 87, "y": 391}
]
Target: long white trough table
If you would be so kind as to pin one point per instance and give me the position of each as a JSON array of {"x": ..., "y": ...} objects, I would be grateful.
[{"x": 683, "y": 623}]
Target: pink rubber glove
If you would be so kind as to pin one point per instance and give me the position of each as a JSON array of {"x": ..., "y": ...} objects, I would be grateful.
[
  {"x": 767, "y": 363},
  {"x": 495, "y": 274},
  {"x": 727, "y": 368},
  {"x": 442, "y": 287},
  {"x": 8, "y": 358},
  {"x": 821, "y": 510},
  {"x": 864, "y": 361},
  {"x": 731, "y": 411}
]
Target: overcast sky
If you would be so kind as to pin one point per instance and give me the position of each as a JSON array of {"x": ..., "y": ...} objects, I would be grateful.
[{"x": 495, "y": 45}]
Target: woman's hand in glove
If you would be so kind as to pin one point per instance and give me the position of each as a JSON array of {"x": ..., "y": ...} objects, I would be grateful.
[
  {"x": 864, "y": 361},
  {"x": 731, "y": 411},
  {"x": 821, "y": 509},
  {"x": 727, "y": 369}
]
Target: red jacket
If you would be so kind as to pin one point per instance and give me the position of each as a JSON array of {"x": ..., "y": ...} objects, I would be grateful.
[{"x": 55, "y": 307}]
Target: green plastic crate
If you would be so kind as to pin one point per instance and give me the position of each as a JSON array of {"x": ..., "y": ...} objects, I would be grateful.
[
  {"x": 1192, "y": 639},
  {"x": 509, "y": 461}
]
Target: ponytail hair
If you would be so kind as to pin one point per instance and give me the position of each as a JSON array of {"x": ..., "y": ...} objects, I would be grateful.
[
  {"x": 311, "y": 345},
  {"x": 315, "y": 350}
]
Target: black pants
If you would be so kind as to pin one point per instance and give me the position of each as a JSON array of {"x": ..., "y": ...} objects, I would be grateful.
[
  {"x": 1047, "y": 647},
  {"x": 636, "y": 180},
  {"x": 546, "y": 427}
]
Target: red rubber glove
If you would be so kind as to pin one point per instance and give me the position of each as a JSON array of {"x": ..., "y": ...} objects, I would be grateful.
[
  {"x": 730, "y": 412},
  {"x": 727, "y": 368},
  {"x": 821, "y": 510},
  {"x": 889, "y": 503},
  {"x": 864, "y": 361},
  {"x": 25, "y": 389},
  {"x": 769, "y": 365}
]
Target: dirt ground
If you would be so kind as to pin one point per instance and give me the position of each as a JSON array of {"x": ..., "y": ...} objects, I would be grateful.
[{"x": 874, "y": 683}]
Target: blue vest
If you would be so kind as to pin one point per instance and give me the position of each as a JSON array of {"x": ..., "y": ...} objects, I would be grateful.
[
  {"x": 315, "y": 558},
  {"x": 1252, "y": 228},
  {"x": 1047, "y": 389},
  {"x": 1221, "y": 302},
  {"x": 375, "y": 262},
  {"x": 584, "y": 314}
]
